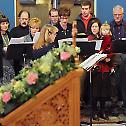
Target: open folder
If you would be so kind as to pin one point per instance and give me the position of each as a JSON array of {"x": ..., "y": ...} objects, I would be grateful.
[
  {"x": 92, "y": 61},
  {"x": 20, "y": 40}
]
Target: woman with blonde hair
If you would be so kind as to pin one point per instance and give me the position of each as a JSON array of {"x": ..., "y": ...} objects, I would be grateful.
[
  {"x": 105, "y": 29},
  {"x": 46, "y": 41},
  {"x": 34, "y": 26}
]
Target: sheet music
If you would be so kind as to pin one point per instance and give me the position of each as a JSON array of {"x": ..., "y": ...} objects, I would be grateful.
[
  {"x": 92, "y": 60},
  {"x": 69, "y": 40},
  {"x": 17, "y": 40},
  {"x": 123, "y": 39},
  {"x": 36, "y": 37},
  {"x": 20, "y": 40},
  {"x": 98, "y": 44}
]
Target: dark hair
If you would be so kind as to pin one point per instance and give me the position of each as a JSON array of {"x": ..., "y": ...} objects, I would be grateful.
[
  {"x": 91, "y": 22},
  {"x": 3, "y": 18},
  {"x": 64, "y": 11},
  {"x": 86, "y": 3},
  {"x": 53, "y": 9},
  {"x": 19, "y": 15}
]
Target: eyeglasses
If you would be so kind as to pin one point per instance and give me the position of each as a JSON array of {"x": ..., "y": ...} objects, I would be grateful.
[
  {"x": 34, "y": 27},
  {"x": 4, "y": 23},
  {"x": 54, "y": 34},
  {"x": 95, "y": 26},
  {"x": 118, "y": 14},
  {"x": 54, "y": 16},
  {"x": 26, "y": 19},
  {"x": 64, "y": 17}
]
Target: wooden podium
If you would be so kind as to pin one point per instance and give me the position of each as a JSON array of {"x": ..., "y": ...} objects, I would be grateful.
[{"x": 56, "y": 105}]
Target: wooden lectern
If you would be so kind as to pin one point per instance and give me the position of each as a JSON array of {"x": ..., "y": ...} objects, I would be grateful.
[{"x": 56, "y": 105}]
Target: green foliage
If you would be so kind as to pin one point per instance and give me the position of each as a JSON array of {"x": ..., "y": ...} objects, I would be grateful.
[{"x": 33, "y": 79}]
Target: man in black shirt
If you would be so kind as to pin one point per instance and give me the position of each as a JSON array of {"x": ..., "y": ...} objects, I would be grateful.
[{"x": 16, "y": 52}]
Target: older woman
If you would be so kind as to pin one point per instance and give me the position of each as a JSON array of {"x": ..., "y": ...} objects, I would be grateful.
[
  {"x": 46, "y": 41},
  {"x": 34, "y": 26},
  {"x": 6, "y": 70}
]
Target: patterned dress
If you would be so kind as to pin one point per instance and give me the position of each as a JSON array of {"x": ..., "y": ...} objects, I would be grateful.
[{"x": 8, "y": 72}]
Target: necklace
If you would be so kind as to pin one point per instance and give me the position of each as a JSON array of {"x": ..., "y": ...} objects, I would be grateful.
[{"x": 5, "y": 40}]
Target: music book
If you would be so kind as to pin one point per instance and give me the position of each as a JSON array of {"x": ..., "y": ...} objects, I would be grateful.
[
  {"x": 16, "y": 40},
  {"x": 92, "y": 61},
  {"x": 36, "y": 37},
  {"x": 98, "y": 44},
  {"x": 20, "y": 40},
  {"x": 123, "y": 39},
  {"x": 69, "y": 40}
]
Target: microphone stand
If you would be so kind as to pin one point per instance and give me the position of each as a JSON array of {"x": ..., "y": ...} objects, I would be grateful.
[
  {"x": 24, "y": 59},
  {"x": 89, "y": 64},
  {"x": 91, "y": 99}
]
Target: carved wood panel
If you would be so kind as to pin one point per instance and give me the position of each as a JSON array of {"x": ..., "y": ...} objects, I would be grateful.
[{"x": 54, "y": 112}]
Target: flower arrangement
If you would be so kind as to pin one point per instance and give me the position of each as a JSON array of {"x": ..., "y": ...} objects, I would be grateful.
[{"x": 33, "y": 79}]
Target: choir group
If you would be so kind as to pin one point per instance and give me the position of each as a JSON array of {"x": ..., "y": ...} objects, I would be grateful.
[{"x": 14, "y": 57}]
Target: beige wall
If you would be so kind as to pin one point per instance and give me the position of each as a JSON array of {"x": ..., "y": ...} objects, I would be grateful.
[{"x": 42, "y": 8}]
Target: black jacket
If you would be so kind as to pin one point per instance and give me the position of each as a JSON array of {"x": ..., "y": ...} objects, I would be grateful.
[
  {"x": 80, "y": 25},
  {"x": 63, "y": 34},
  {"x": 16, "y": 51}
]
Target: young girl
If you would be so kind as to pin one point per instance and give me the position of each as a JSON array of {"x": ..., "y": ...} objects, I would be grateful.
[{"x": 101, "y": 79}]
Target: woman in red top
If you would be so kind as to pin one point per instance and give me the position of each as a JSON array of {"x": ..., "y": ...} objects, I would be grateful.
[
  {"x": 93, "y": 34},
  {"x": 101, "y": 78}
]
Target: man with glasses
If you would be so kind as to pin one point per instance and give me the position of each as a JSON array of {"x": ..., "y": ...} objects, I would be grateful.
[
  {"x": 64, "y": 28},
  {"x": 118, "y": 25},
  {"x": 53, "y": 16},
  {"x": 118, "y": 29},
  {"x": 16, "y": 51}
]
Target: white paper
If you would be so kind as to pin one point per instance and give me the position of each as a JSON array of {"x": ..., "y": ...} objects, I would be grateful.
[
  {"x": 92, "y": 60},
  {"x": 28, "y": 42},
  {"x": 123, "y": 38},
  {"x": 20, "y": 40},
  {"x": 69, "y": 40},
  {"x": 16, "y": 40},
  {"x": 36, "y": 37},
  {"x": 98, "y": 44}
]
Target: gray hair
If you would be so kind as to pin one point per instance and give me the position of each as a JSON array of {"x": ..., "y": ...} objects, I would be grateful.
[{"x": 118, "y": 7}]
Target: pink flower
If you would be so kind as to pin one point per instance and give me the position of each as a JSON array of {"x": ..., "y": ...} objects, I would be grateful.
[
  {"x": 32, "y": 78},
  {"x": 64, "y": 55},
  {"x": 6, "y": 96}
]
